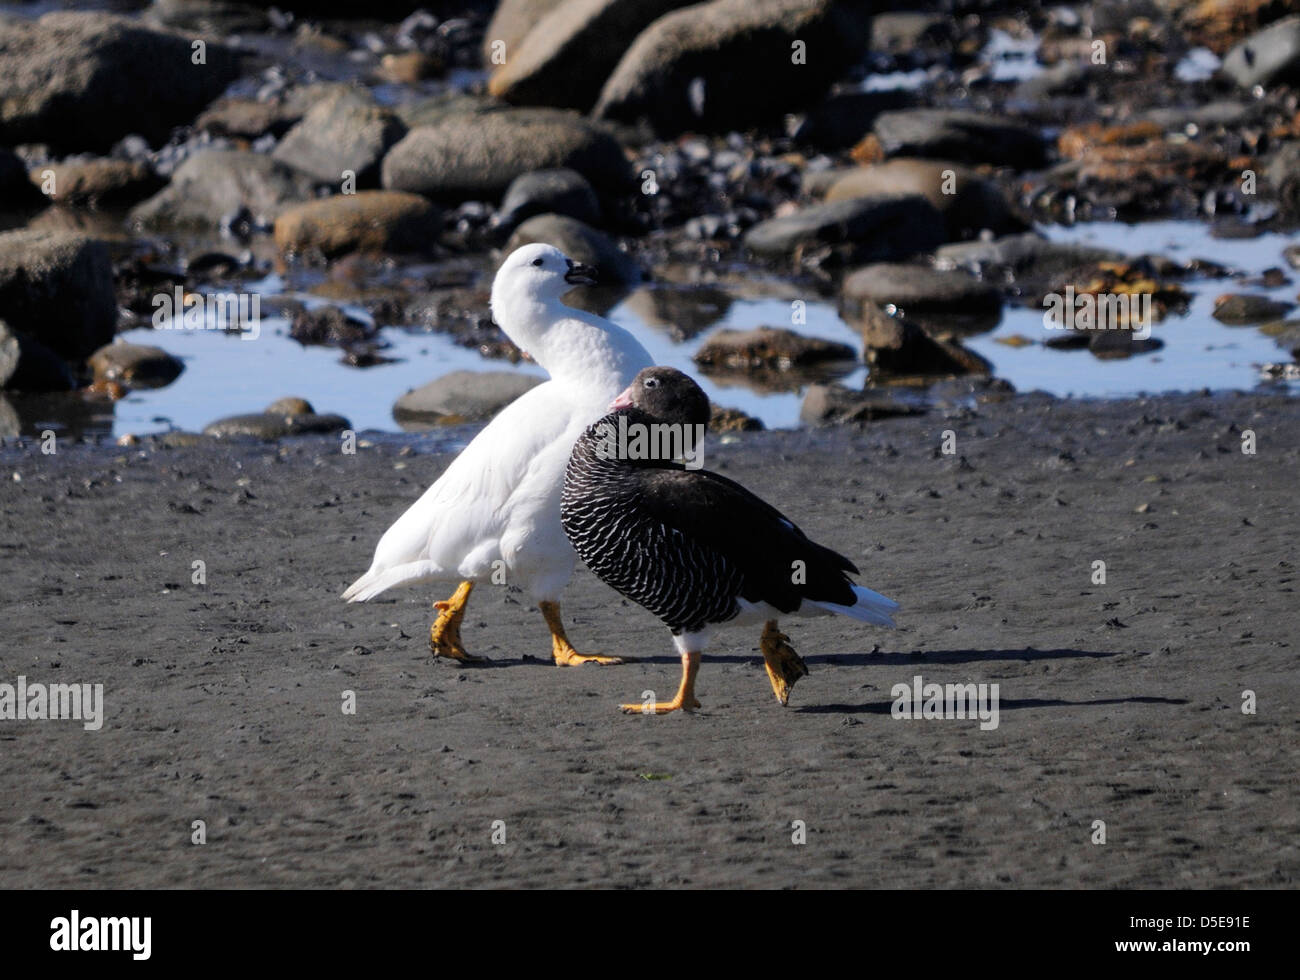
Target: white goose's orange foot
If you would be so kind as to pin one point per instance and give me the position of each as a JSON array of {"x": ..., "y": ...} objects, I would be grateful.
[
  {"x": 562, "y": 651},
  {"x": 784, "y": 666},
  {"x": 685, "y": 699},
  {"x": 444, "y": 634}
]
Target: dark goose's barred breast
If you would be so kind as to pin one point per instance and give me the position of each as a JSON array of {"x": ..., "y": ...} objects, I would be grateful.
[{"x": 686, "y": 544}]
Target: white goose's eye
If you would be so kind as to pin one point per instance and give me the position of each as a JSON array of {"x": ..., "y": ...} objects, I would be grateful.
[{"x": 537, "y": 262}]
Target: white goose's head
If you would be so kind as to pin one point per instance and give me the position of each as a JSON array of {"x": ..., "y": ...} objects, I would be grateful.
[{"x": 527, "y": 290}]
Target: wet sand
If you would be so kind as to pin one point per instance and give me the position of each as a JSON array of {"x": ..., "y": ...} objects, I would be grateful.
[{"x": 1118, "y": 702}]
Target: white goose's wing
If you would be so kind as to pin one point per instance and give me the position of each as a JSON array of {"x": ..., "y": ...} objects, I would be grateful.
[{"x": 455, "y": 528}]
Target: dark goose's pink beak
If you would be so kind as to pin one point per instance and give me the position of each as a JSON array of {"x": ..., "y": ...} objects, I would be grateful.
[{"x": 624, "y": 400}]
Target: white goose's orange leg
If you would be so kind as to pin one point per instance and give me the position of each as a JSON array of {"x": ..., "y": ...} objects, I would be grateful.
[
  {"x": 562, "y": 651},
  {"x": 685, "y": 700},
  {"x": 784, "y": 666},
  {"x": 444, "y": 634}
]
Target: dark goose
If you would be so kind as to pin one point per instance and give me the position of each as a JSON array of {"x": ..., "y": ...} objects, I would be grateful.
[{"x": 693, "y": 547}]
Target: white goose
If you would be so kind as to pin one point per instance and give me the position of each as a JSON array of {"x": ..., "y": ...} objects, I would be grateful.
[{"x": 499, "y": 500}]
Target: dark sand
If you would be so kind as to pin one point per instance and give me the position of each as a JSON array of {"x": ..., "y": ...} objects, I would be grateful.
[{"x": 1118, "y": 703}]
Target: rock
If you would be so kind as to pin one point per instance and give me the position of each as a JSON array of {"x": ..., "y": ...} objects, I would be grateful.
[
  {"x": 835, "y": 404},
  {"x": 898, "y": 346},
  {"x": 368, "y": 221},
  {"x": 918, "y": 289},
  {"x": 97, "y": 182},
  {"x": 290, "y": 405},
  {"x": 561, "y": 191},
  {"x": 476, "y": 156},
  {"x": 410, "y": 67},
  {"x": 345, "y": 131},
  {"x": 269, "y": 426},
  {"x": 966, "y": 137},
  {"x": 1243, "y": 309},
  {"x": 1025, "y": 256},
  {"x": 27, "y": 365},
  {"x": 208, "y": 16},
  {"x": 82, "y": 81},
  {"x": 212, "y": 186},
  {"x": 968, "y": 202},
  {"x": 461, "y": 396},
  {"x": 681, "y": 312},
  {"x": 566, "y": 56},
  {"x": 882, "y": 228},
  {"x": 1270, "y": 57},
  {"x": 723, "y": 420},
  {"x": 436, "y": 109},
  {"x": 10, "y": 352},
  {"x": 510, "y": 24},
  {"x": 135, "y": 365},
  {"x": 844, "y": 118},
  {"x": 729, "y": 64},
  {"x": 328, "y": 326},
  {"x": 245, "y": 118},
  {"x": 11, "y": 425},
  {"x": 768, "y": 348},
  {"x": 581, "y": 243},
  {"x": 1283, "y": 176},
  {"x": 58, "y": 289}
]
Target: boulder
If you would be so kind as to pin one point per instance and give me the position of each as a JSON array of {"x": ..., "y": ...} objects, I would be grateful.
[
  {"x": 135, "y": 365},
  {"x": 461, "y": 396},
  {"x": 344, "y": 131},
  {"x": 97, "y": 182},
  {"x": 269, "y": 426},
  {"x": 1268, "y": 57},
  {"x": 82, "y": 81},
  {"x": 368, "y": 221},
  {"x": 882, "y": 228},
  {"x": 211, "y": 187},
  {"x": 559, "y": 191},
  {"x": 969, "y": 203},
  {"x": 966, "y": 137},
  {"x": 768, "y": 349},
  {"x": 917, "y": 289},
  {"x": 1027, "y": 256},
  {"x": 475, "y": 156},
  {"x": 57, "y": 288},
  {"x": 1243, "y": 309},
  {"x": 834, "y": 404},
  {"x": 729, "y": 64},
  {"x": 567, "y": 55},
  {"x": 510, "y": 24},
  {"x": 898, "y": 346}
]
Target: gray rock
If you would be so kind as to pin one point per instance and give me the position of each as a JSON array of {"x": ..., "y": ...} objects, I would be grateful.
[
  {"x": 26, "y": 365},
  {"x": 1267, "y": 57},
  {"x": 11, "y": 426},
  {"x": 1243, "y": 309},
  {"x": 368, "y": 221},
  {"x": 461, "y": 396},
  {"x": 917, "y": 289},
  {"x": 57, "y": 288},
  {"x": 269, "y": 427},
  {"x": 1025, "y": 256},
  {"x": 436, "y": 109},
  {"x": 582, "y": 243},
  {"x": 511, "y": 22},
  {"x": 881, "y": 229},
  {"x": 843, "y": 118},
  {"x": 967, "y": 137},
  {"x": 728, "y": 64},
  {"x": 768, "y": 348},
  {"x": 208, "y": 16},
  {"x": 135, "y": 365},
  {"x": 1283, "y": 176},
  {"x": 566, "y": 56},
  {"x": 211, "y": 186},
  {"x": 82, "y": 81},
  {"x": 476, "y": 156},
  {"x": 969, "y": 203},
  {"x": 834, "y": 404},
  {"x": 344, "y": 131},
  {"x": 560, "y": 191},
  {"x": 899, "y": 346}
]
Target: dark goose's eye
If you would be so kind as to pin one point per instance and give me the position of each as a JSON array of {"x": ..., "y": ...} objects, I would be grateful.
[
  {"x": 652, "y": 382},
  {"x": 537, "y": 261}
]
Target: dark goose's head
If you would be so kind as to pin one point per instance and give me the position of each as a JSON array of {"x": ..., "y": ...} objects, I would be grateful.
[{"x": 666, "y": 395}]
